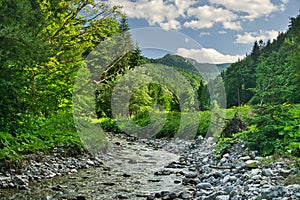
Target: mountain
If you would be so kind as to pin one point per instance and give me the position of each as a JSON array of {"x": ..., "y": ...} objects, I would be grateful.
[{"x": 206, "y": 70}]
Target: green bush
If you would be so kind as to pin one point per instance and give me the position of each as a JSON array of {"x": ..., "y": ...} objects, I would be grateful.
[
  {"x": 109, "y": 125},
  {"x": 275, "y": 129},
  {"x": 55, "y": 131}
]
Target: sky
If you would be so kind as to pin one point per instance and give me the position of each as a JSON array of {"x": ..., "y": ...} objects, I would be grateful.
[{"x": 209, "y": 31}]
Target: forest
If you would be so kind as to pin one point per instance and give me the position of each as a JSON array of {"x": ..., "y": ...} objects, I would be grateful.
[{"x": 43, "y": 44}]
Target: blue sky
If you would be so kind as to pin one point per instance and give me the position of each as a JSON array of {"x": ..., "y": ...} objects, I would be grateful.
[{"x": 216, "y": 31}]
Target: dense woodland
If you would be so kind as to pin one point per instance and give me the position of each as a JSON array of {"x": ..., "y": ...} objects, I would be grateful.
[{"x": 44, "y": 43}]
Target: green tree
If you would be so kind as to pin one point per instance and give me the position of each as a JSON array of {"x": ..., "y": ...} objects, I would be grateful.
[
  {"x": 292, "y": 45},
  {"x": 42, "y": 46},
  {"x": 272, "y": 79},
  {"x": 239, "y": 78}
]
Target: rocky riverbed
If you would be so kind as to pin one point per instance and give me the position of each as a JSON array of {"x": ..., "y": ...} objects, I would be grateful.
[{"x": 153, "y": 169}]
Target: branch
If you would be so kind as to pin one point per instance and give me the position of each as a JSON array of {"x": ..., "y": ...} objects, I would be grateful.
[{"x": 72, "y": 16}]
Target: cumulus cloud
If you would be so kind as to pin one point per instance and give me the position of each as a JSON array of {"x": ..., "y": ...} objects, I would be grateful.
[
  {"x": 232, "y": 25},
  {"x": 174, "y": 14},
  {"x": 251, "y": 37},
  {"x": 208, "y": 55},
  {"x": 159, "y": 12},
  {"x": 198, "y": 24},
  {"x": 206, "y": 16},
  {"x": 252, "y": 8}
]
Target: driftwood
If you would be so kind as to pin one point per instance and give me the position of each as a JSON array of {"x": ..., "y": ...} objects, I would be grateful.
[
  {"x": 220, "y": 167},
  {"x": 233, "y": 126}
]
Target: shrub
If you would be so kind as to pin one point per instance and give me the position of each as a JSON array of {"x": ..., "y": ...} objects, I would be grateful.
[{"x": 275, "y": 129}]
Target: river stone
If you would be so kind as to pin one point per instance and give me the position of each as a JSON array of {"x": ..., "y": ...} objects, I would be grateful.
[
  {"x": 18, "y": 180},
  {"x": 126, "y": 175},
  {"x": 222, "y": 197},
  {"x": 190, "y": 175},
  {"x": 4, "y": 178},
  {"x": 226, "y": 179},
  {"x": 275, "y": 191},
  {"x": 267, "y": 172},
  {"x": 164, "y": 193},
  {"x": 122, "y": 197},
  {"x": 172, "y": 195},
  {"x": 256, "y": 177},
  {"x": 254, "y": 172},
  {"x": 80, "y": 197},
  {"x": 245, "y": 158},
  {"x": 90, "y": 162},
  {"x": 284, "y": 171},
  {"x": 157, "y": 195},
  {"x": 150, "y": 197},
  {"x": 204, "y": 186},
  {"x": 184, "y": 195}
]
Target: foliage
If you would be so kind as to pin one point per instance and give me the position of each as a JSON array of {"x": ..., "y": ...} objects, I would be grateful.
[
  {"x": 57, "y": 131},
  {"x": 224, "y": 144},
  {"x": 239, "y": 77},
  {"x": 275, "y": 129},
  {"x": 109, "y": 125},
  {"x": 42, "y": 45},
  {"x": 273, "y": 79},
  {"x": 269, "y": 72}
]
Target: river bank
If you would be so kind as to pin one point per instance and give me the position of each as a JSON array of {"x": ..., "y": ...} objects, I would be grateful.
[{"x": 154, "y": 169}]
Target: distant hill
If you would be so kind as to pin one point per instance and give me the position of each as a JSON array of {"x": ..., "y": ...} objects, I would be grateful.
[{"x": 206, "y": 70}]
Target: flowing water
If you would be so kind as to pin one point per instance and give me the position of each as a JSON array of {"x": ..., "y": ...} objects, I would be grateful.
[{"x": 127, "y": 172}]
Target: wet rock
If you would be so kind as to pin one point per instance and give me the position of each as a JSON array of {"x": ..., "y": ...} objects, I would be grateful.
[
  {"x": 204, "y": 186},
  {"x": 267, "y": 172},
  {"x": 80, "y": 197},
  {"x": 132, "y": 161},
  {"x": 184, "y": 195},
  {"x": 222, "y": 197},
  {"x": 126, "y": 175},
  {"x": 22, "y": 187},
  {"x": 90, "y": 162},
  {"x": 190, "y": 175},
  {"x": 245, "y": 158},
  {"x": 19, "y": 180},
  {"x": 151, "y": 197},
  {"x": 186, "y": 181},
  {"x": 275, "y": 191},
  {"x": 122, "y": 197}
]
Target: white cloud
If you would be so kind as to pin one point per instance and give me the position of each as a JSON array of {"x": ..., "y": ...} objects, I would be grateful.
[
  {"x": 253, "y": 8},
  {"x": 159, "y": 12},
  {"x": 171, "y": 24},
  {"x": 175, "y": 14},
  {"x": 222, "y": 32},
  {"x": 251, "y": 37},
  {"x": 232, "y": 25},
  {"x": 204, "y": 34},
  {"x": 198, "y": 24},
  {"x": 208, "y": 55},
  {"x": 206, "y": 16}
]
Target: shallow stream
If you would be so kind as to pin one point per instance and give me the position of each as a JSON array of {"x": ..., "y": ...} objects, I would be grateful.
[{"x": 127, "y": 173}]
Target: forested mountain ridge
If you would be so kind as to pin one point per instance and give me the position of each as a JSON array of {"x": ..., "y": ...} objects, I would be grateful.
[
  {"x": 191, "y": 65},
  {"x": 270, "y": 73}
]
